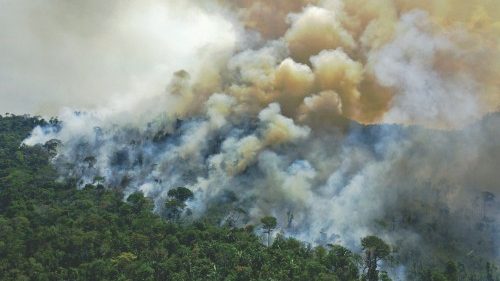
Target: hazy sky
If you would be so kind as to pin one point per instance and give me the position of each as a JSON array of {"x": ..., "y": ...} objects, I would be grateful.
[{"x": 82, "y": 53}]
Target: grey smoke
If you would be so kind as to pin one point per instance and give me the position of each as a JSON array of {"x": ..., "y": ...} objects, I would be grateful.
[
  {"x": 232, "y": 130},
  {"x": 85, "y": 54}
]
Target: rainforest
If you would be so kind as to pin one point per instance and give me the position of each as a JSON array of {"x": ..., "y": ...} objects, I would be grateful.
[{"x": 250, "y": 140}]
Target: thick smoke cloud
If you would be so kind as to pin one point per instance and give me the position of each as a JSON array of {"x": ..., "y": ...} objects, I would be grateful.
[
  {"x": 292, "y": 119},
  {"x": 427, "y": 94},
  {"x": 85, "y": 54},
  {"x": 268, "y": 18}
]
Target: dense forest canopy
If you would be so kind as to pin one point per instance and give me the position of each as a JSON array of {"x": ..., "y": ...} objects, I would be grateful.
[
  {"x": 250, "y": 140},
  {"x": 51, "y": 230}
]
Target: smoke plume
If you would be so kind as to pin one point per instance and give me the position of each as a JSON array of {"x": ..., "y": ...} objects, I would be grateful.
[{"x": 340, "y": 118}]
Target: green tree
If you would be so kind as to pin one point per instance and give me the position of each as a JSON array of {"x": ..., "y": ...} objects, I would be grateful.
[
  {"x": 139, "y": 202},
  {"x": 342, "y": 262},
  {"x": 375, "y": 250},
  {"x": 176, "y": 202},
  {"x": 269, "y": 223}
]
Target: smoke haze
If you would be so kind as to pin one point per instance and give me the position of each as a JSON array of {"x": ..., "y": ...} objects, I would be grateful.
[
  {"x": 58, "y": 54},
  {"x": 278, "y": 107}
]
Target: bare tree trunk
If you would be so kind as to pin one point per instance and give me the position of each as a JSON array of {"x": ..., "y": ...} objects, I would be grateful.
[{"x": 372, "y": 267}]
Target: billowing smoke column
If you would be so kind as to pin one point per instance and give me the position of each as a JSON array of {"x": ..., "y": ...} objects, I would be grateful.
[{"x": 274, "y": 124}]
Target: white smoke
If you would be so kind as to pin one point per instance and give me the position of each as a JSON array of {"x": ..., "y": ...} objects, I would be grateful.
[
  {"x": 265, "y": 125},
  {"x": 87, "y": 54},
  {"x": 408, "y": 64}
]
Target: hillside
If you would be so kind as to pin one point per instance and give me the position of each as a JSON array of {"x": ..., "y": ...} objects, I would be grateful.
[
  {"x": 50, "y": 230},
  {"x": 53, "y": 231}
]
